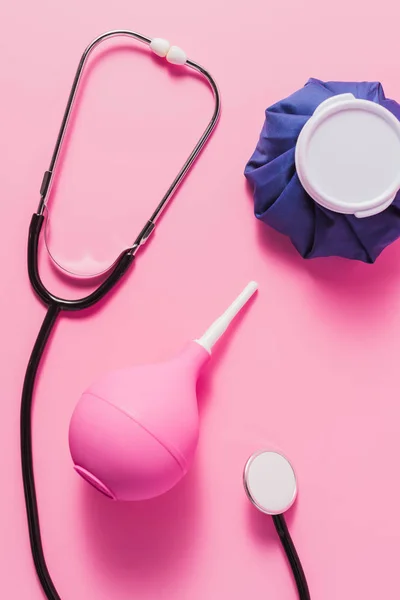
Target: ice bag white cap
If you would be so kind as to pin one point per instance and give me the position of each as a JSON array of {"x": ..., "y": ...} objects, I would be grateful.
[{"x": 348, "y": 156}]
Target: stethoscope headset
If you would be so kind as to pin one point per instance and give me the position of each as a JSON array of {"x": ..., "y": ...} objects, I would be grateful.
[{"x": 269, "y": 479}]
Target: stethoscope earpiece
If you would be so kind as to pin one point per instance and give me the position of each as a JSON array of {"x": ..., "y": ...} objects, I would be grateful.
[{"x": 270, "y": 482}]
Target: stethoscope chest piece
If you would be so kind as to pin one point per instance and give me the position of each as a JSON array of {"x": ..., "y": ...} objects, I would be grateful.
[{"x": 270, "y": 482}]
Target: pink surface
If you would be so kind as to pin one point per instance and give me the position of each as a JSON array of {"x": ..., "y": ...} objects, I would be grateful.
[{"x": 311, "y": 368}]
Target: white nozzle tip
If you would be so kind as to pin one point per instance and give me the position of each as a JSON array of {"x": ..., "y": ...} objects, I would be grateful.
[
  {"x": 219, "y": 326},
  {"x": 252, "y": 287}
]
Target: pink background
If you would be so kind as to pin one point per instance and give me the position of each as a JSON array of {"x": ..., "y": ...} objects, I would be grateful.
[{"x": 311, "y": 368}]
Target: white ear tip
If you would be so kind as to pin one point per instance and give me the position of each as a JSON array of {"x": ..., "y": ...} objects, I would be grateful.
[
  {"x": 160, "y": 46},
  {"x": 176, "y": 56}
]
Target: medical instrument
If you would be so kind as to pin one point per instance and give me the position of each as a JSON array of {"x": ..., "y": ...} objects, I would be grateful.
[
  {"x": 134, "y": 432},
  {"x": 271, "y": 486},
  {"x": 56, "y": 305},
  {"x": 326, "y": 170}
]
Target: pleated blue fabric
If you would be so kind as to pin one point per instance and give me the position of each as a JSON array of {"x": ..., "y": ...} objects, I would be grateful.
[{"x": 281, "y": 201}]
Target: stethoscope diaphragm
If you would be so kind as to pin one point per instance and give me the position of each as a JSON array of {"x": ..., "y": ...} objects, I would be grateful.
[{"x": 270, "y": 482}]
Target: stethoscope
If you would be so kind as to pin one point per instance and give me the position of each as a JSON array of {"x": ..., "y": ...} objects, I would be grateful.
[
  {"x": 269, "y": 478},
  {"x": 56, "y": 305}
]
